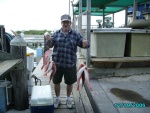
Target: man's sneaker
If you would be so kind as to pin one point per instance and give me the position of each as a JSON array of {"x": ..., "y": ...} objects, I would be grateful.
[
  {"x": 57, "y": 103},
  {"x": 69, "y": 103}
]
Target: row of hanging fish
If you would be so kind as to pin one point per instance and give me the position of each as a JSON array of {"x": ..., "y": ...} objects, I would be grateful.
[{"x": 48, "y": 65}]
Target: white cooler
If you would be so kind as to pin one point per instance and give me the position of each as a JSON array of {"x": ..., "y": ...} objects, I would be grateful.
[{"x": 42, "y": 99}]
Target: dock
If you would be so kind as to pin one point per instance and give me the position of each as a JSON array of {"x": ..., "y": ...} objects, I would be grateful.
[
  {"x": 80, "y": 100},
  {"x": 103, "y": 95}
]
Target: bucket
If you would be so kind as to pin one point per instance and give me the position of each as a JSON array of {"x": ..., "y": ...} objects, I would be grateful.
[
  {"x": 30, "y": 61},
  {"x": 39, "y": 52}
]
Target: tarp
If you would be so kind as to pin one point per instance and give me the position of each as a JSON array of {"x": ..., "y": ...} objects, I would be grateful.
[{"x": 109, "y": 6}]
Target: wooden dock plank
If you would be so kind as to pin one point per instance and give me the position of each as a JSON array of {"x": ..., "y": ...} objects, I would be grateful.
[
  {"x": 78, "y": 102},
  {"x": 64, "y": 111},
  {"x": 86, "y": 102},
  {"x": 99, "y": 96},
  {"x": 8, "y": 64}
]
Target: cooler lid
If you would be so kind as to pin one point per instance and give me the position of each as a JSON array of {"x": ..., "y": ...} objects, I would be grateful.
[{"x": 41, "y": 96}]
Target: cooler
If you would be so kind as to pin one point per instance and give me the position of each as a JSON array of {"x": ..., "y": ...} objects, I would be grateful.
[{"x": 42, "y": 100}]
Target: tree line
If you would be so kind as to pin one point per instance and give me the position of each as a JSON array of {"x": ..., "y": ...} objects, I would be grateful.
[{"x": 34, "y": 32}]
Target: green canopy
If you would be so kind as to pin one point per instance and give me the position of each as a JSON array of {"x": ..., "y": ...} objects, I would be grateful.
[
  {"x": 109, "y": 6},
  {"x": 99, "y": 12}
]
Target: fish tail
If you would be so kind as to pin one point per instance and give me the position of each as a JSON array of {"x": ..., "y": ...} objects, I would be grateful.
[
  {"x": 78, "y": 84},
  {"x": 42, "y": 67},
  {"x": 90, "y": 87},
  {"x": 78, "y": 88},
  {"x": 88, "y": 84},
  {"x": 49, "y": 80}
]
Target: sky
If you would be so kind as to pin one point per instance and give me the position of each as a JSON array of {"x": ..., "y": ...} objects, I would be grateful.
[{"x": 38, "y": 14}]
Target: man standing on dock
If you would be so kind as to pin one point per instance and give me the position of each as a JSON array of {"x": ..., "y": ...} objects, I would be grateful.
[{"x": 65, "y": 42}]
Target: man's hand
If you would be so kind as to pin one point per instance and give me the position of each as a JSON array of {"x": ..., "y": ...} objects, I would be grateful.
[
  {"x": 48, "y": 37},
  {"x": 84, "y": 43}
]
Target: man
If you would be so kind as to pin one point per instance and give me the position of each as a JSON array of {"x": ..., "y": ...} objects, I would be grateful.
[{"x": 65, "y": 42}]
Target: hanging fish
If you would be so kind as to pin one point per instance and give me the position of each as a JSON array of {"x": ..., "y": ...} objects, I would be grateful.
[
  {"x": 83, "y": 75},
  {"x": 48, "y": 64},
  {"x": 47, "y": 57},
  {"x": 80, "y": 75},
  {"x": 50, "y": 68},
  {"x": 87, "y": 78}
]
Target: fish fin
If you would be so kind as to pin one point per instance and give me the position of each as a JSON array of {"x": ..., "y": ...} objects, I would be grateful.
[{"x": 78, "y": 88}]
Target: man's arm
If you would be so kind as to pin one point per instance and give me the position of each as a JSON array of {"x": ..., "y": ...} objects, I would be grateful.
[{"x": 83, "y": 43}]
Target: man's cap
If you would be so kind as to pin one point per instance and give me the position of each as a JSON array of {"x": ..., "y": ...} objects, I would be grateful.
[{"x": 65, "y": 17}]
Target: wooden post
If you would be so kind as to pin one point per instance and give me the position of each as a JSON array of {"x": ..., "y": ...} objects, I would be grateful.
[
  {"x": 134, "y": 9},
  {"x": 113, "y": 19},
  {"x": 103, "y": 17},
  {"x": 88, "y": 56},
  {"x": 126, "y": 16},
  {"x": 3, "y": 38},
  {"x": 19, "y": 74},
  {"x": 80, "y": 24}
]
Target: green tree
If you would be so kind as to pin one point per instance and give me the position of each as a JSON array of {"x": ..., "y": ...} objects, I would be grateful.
[{"x": 34, "y": 32}]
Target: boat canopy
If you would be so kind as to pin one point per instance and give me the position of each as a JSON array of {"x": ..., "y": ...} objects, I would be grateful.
[{"x": 109, "y": 6}]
